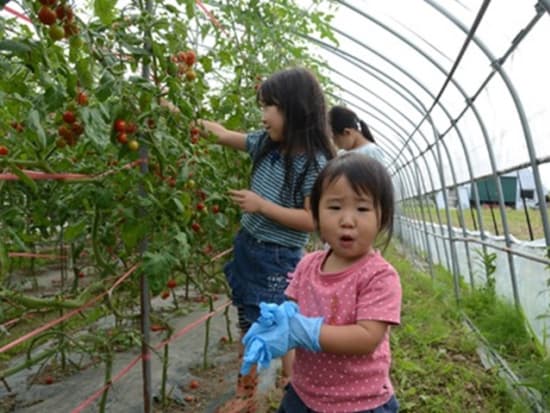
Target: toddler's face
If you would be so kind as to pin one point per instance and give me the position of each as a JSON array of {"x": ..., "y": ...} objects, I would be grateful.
[{"x": 348, "y": 222}]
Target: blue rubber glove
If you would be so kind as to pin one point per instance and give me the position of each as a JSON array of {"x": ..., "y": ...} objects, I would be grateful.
[
  {"x": 305, "y": 332},
  {"x": 279, "y": 328},
  {"x": 269, "y": 336}
]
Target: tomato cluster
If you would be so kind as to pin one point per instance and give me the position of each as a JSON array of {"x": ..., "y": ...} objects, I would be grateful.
[
  {"x": 59, "y": 16},
  {"x": 122, "y": 129},
  {"x": 184, "y": 62},
  {"x": 195, "y": 134},
  {"x": 70, "y": 130}
]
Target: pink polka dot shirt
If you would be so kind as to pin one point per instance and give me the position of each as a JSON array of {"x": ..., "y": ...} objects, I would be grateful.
[{"x": 367, "y": 290}]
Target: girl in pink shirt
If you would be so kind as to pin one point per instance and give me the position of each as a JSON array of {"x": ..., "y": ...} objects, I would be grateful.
[{"x": 344, "y": 300}]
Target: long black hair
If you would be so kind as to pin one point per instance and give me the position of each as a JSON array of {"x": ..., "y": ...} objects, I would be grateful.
[
  {"x": 365, "y": 175},
  {"x": 298, "y": 95},
  {"x": 341, "y": 118}
]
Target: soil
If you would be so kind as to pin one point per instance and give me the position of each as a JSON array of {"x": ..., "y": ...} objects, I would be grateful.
[
  {"x": 204, "y": 390},
  {"x": 207, "y": 389},
  {"x": 46, "y": 387}
]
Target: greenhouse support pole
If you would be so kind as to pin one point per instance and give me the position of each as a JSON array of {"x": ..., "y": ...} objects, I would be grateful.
[
  {"x": 469, "y": 101},
  {"x": 497, "y": 66},
  {"x": 525, "y": 209},
  {"x": 145, "y": 299}
]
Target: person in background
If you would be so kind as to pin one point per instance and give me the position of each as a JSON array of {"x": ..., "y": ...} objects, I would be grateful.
[
  {"x": 287, "y": 155},
  {"x": 342, "y": 301},
  {"x": 350, "y": 133}
]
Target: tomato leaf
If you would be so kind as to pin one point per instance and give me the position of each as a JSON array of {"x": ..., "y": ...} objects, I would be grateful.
[
  {"x": 105, "y": 86},
  {"x": 53, "y": 98},
  {"x": 15, "y": 238},
  {"x": 132, "y": 232},
  {"x": 156, "y": 266},
  {"x": 189, "y": 8},
  {"x": 179, "y": 205},
  {"x": 14, "y": 46},
  {"x": 182, "y": 240},
  {"x": 172, "y": 9},
  {"x": 36, "y": 125},
  {"x": 206, "y": 63},
  {"x": 222, "y": 221},
  {"x": 104, "y": 9},
  {"x": 83, "y": 68},
  {"x": 24, "y": 178},
  {"x": 4, "y": 259},
  {"x": 74, "y": 231}
]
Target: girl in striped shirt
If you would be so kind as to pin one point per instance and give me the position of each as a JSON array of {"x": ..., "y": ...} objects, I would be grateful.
[{"x": 287, "y": 155}]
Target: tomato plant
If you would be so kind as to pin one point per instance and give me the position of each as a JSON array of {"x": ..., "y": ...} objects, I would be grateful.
[{"x": 114, "y": 93}]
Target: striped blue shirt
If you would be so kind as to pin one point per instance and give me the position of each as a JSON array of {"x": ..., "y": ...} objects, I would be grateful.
[{"x": 267, "y": 181}]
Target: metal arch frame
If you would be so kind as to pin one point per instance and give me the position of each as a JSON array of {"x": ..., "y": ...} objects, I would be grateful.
[
  {"x": 424, "y": 88},
  {"x": 419, "y": 177},
  {"x": 449, "y": 76},
  {"x": 349, "y": 58},
  {"x": 410, "y": 121},
  {"x": 497, "y": 67},
  {"x": 474, "y": 110},
  {"x": 418, "y": 193}
]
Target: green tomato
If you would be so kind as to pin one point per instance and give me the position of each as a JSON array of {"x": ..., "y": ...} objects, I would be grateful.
[
  {"x": 57, "y": 32},
  {"x": 76, "y": 42}
]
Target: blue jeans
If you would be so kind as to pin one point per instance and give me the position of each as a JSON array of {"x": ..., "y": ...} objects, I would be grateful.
[
  {"x": 258, "y": 272},
  {"x": 292, "y": 403}
]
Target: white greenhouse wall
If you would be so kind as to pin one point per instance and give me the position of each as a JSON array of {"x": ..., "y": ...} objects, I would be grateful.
[{"x": 531, "y": 277}]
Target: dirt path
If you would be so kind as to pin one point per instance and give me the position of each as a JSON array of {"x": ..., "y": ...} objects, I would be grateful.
[{"x": 210, "y": 388}]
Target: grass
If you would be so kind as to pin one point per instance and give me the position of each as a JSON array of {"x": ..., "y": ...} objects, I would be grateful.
[
  {"x": 505, "y": 330},
  {"x": 516, "y": 218},
  {"x": 435, "y": 364}
]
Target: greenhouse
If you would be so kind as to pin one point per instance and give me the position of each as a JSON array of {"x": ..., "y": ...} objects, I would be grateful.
[{"x": 159, "y": 158}]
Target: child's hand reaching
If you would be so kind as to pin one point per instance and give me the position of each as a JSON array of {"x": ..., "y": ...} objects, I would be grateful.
[
  {"x": 208, "y": 126},
  {"x": 233, "y": 139},
  {"x": 279, "y": 328}
]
